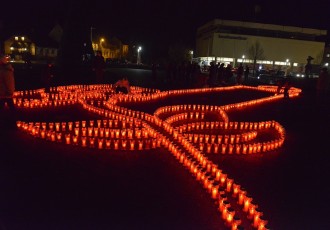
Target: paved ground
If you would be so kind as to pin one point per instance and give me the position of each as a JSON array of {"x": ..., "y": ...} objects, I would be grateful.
[{"x": 51, "y": 186}]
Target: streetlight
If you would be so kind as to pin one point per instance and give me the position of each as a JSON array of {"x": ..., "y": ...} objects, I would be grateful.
[
  {"x": 139, "y": 56},
  {"x": 191, "y": 55},
  {"x": 243, "y": 57}
]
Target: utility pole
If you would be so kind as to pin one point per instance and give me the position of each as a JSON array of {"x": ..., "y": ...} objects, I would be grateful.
[{"x": 92, "y": 28}]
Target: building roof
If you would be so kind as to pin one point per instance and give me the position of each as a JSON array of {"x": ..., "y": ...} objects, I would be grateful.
[{"x": 261, "y": 29}]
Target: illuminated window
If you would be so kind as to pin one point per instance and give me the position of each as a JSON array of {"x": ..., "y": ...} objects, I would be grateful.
[
  {"x": 23, "y": 38},
  {"x": 16, "y": 38}
]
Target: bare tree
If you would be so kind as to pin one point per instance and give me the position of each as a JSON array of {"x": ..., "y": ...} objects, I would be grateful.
[{"x": 256, "y": 52}]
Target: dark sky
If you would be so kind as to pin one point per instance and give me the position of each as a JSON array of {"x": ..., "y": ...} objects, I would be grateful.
[{"x": 152, "y": 23}]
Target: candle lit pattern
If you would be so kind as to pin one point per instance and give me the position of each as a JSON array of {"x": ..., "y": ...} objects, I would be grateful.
[{"x": 185, "y": 130}]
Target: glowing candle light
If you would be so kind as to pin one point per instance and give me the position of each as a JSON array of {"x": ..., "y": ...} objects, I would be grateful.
[
  {"x": 247, "y": 203},
  {"x": 229, "y": 215},
  {"x": 90, "y": 131},
  {"x": 100, "y": 143},
  {"x": 57, "y": 126},
  {"x": 236, "y": 189},
  {"x": 43, "y": 134},
  {"x": 70, "y": 125},
  {"x": 91, "y": 142},
  {"x": 75, "y": 140},
  {"x": 241, "y": 196},
  {"x": 68, "y": 139},
  {"x": 140, "y": 145},
  {"x": 229, "y": 184}
]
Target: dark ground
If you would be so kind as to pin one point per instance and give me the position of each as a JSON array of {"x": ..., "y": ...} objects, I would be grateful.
[{"x": 50, "y": 186}]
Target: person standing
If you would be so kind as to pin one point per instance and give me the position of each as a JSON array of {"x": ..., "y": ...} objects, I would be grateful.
[
  {"x": 7, "y": 89},
  {"x": 239, "y": 74},
  {"x": 98, "y": 67},
  {"x": 47, "y": 74},
  {"x": 221, "y": 75},
  {"x": 246, "y": 74}
]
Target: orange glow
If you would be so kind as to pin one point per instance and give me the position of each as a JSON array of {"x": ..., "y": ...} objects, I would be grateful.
[{"x": 123, "y": 128}]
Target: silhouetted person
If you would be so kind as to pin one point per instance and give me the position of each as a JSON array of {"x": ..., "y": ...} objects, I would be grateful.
[
  {"x": 287, "y": 85},
  {"x": 213, "y": 71},
  {"x": 228, "y": 73},
  {"x": 98, "y": 67},
  {"x": 47, "y": 75},
  {"x": 239, "y": 74},
  {"x": 246, "y": 73},
  {"x": 7, "y": 88},
  {"x": 221, "y": 74},
  {"x": 122, "y": 86}
]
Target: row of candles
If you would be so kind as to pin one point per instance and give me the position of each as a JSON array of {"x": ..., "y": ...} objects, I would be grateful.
[
  {"x": 63, "y": 95},
  {"x": 216, "y": 182},
  {"x": 258, "y": 222},
  {"x": 221, "y": 139},
  {"x": 213, "y": 179},
  {"x": 91, "y": 124},
  {"x": 100, "y": 138}
]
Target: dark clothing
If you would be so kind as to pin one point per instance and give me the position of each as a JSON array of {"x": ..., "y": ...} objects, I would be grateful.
[
  {"x": 246, "y": 73},
  {"x": 47, "y": 75},
  {"x": 121, "y": 89},
  {"x": 98, "y": 68},
  {"x": 7, "y": 88},
  {"x": 240, "y": 71},
  {"x": 7, "y": 85},
  {"x": 221, "y": 75}
]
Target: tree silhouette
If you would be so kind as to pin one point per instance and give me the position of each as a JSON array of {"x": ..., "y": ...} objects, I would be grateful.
[
  {"x": 178, "y": 53},
  {"x": 256, "y": 52}
]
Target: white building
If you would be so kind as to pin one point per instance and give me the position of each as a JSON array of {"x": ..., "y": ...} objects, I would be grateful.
[{"x": 281, "y": 47}]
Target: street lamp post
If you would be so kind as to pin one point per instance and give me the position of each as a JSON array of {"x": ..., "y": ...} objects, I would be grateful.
[
  {"x": 101, "y": 44},
  {"x": 191, "y": 56},
  {"x": 92, "y": 28},
  {"x": 138, "y": 61}
]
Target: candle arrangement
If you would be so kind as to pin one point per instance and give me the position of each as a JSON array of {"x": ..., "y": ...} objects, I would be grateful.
[{"x": 186, "y": 130}]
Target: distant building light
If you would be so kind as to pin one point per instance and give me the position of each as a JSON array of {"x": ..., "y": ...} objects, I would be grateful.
[
  {"x": 328, "y": 55},
  {"x": 23, "y": 38},
  {"x": 295, "y": 64},
  {"x": 12, "y": 48},
  {"x": 16, "y": 38},
  {"x": 326, "y": 64}
]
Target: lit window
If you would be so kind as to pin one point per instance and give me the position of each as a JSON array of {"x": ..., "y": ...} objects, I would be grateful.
[
  {"x": 11, "y": 48},
  {"x": 23, "y": 38},
  {"x": 16, "y": 38}
]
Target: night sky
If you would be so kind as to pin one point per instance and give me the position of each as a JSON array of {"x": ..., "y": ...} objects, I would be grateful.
[{"x": 156, "y": 24}]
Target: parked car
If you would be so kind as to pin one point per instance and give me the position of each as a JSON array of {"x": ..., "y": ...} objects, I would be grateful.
[{"x": 270, "y": 79}]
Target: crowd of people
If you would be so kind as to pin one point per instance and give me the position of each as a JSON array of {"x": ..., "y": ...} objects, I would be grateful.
[{"x": 217, "y": 74}]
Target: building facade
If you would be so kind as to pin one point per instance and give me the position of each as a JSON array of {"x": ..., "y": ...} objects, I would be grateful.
[
  {"x": 22, "y": 48},
  {"x": 273, "y": 46},
  {"x": 111, "y": 49}
]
